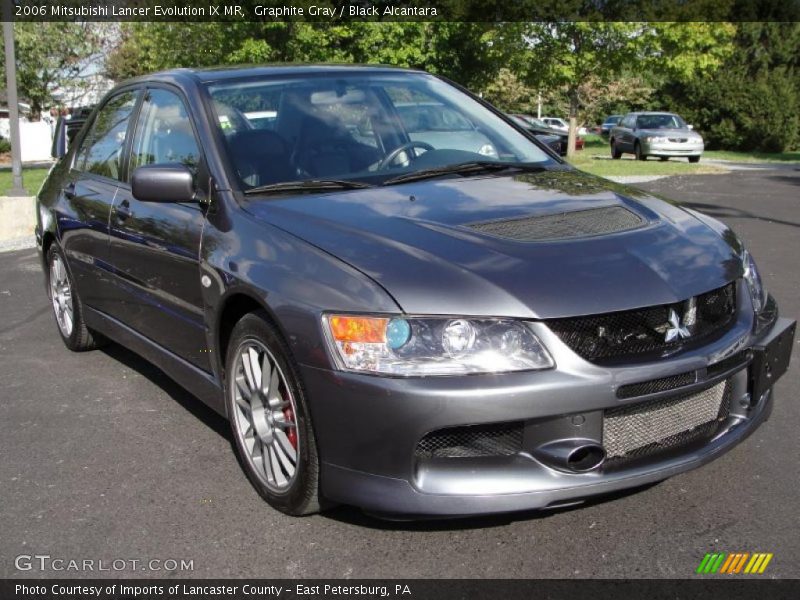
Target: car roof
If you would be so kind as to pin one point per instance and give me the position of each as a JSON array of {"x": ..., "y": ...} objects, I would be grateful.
[
  {"x": 223, "y": 73},
  {"x": 653, "y": 112}
]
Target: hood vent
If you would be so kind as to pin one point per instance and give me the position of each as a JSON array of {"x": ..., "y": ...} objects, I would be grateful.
[{"x": 574, "y": 224}]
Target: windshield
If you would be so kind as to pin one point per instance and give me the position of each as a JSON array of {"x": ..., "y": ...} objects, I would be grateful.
[
  {"x": 660, "y": 122},
  {"x": 366, "y": 128}
]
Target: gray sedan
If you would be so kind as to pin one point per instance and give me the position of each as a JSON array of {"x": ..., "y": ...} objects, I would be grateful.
[{"x": 658, "y": 134}]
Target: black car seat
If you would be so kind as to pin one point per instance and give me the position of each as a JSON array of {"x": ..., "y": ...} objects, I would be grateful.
[
  {"x": 261, "y": 157},
  {"x": 325, "y": 148}
]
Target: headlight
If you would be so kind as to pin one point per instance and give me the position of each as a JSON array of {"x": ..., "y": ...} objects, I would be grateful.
[
  {"x": 757, "y": 291},
  {"x": 433, "y": 346},
  {"x": 656, "y": 138}
]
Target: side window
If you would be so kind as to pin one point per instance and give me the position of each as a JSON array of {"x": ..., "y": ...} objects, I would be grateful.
[
  {"x": 101, "y": 151},
  {"x": 164, "y": 132}
]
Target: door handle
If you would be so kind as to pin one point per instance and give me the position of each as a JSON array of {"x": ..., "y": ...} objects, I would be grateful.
[
  {"x": 69, "y": 191},
  {"x": 123, "y": 211}
]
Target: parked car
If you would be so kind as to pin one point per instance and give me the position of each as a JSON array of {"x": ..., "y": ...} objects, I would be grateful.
[
  {"x": 556, "y": 142},
  {"x": 426, "y": 333},
  {"x": 608, "y": 124},
  {"x": 660, "y": 134},
  {"x": 540, "y": 128},
  {"x": 556, "y": 123},
  {"x": 560, "y": 124}
]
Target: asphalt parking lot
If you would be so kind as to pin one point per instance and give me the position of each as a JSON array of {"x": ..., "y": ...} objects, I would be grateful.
[{"x": 103, "y": 457}]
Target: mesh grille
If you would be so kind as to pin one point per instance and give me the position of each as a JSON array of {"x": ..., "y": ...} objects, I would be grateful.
[
  {"x": 663, "y": 384},
  {"x": 642, "y": 332},
  {"x": 502, "y": 439},
  {"x": 650, "y": 427},
  {"x": 578, "y": 223}
]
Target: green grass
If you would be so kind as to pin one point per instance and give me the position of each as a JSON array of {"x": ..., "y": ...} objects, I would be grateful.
[
  {"x": 595, "y": 158},
  {"x": 753, "y": 156},
  {"x": 31, "y": 178}
]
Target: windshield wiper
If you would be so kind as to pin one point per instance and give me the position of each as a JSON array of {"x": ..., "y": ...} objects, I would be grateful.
[
  {"x": 468, "y": 168},
  {"x": 309, "y": 185}
]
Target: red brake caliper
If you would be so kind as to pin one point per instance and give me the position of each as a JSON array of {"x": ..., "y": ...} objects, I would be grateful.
[{"x": 291, "y": 433}]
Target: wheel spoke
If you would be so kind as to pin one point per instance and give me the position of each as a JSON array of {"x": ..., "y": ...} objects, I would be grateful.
[
  {"x": 268, "y": 375},
  {"x": 280, "y": 478},
  {"x": 274, "y": 396},
  {"x": 284, "y": 424},
  {"x": 283, "y": 444},
  {"x": 255, "y": 368},
  {"x": 247, "y": 366},
  {"x": 286, "y": 463},
  {"x": 267, "y": 464}
]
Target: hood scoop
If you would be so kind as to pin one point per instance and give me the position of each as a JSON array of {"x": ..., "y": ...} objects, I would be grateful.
[{"x": 562, "y": 226}]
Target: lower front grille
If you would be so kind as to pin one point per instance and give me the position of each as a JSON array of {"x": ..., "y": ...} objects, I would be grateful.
[
  {"x": 503, "y": 439},
  {"x": 647, "y": 428}
]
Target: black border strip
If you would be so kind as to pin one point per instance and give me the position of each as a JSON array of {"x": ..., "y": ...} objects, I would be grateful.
[{"x": 333, "y": 11}]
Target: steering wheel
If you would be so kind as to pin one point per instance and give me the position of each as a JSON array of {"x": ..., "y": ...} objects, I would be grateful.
[{"x": 386, "y": 162}]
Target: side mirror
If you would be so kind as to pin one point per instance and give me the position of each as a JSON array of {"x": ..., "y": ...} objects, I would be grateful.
[
  {"x": 690, "y": 126},
  {"x": 163, "y": 183}
]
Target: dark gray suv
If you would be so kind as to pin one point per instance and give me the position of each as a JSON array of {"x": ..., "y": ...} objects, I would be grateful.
[{"x": 406, "y": 325}]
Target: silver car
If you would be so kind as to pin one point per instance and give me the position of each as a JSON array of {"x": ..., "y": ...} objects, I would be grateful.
[{"x": 658, "y": 134}]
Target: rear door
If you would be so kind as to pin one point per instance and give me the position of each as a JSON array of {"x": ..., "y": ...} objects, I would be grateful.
[
  {"x": 155, "y": 246},
  {"x": 87, "y": 197}
]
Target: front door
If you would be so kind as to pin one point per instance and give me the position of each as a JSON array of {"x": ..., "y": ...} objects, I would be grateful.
[{"x": 155, "y": 246}]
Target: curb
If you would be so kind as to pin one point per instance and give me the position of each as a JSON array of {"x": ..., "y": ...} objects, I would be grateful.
[{"x": 17, "y": 218}]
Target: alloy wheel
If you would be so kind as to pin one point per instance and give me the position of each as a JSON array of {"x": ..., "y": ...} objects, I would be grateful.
[
  {"x": 265, "y": 416},
  {"x": 61, "y": 296}
]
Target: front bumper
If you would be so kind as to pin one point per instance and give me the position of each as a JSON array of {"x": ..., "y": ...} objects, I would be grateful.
[
  {"x": 672, "y": 148},
  {"x": 368, "y": 428}
]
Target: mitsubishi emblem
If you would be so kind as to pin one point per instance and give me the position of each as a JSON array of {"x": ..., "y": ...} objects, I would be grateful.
[{"x": 676, "y": 329}]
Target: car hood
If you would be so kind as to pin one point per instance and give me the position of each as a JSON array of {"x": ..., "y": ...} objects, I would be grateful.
[
  {"x": 682, "y": 133},
  {"x": 418, "y": 241}
]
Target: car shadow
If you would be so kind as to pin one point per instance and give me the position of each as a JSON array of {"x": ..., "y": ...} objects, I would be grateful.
[
  {"x": 354, "y": 516},
  {"x": 787, "y": 179},
  {"x": 713, "y": 210},
  {"x": 188, "y": 401}
]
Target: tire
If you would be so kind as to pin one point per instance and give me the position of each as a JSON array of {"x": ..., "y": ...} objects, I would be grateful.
[
  {"x": 637, "y": 150},
  {"x": 694, "y": 159},
  {"x": 664, "y": 158},
  {"x": 67, "y": 307},
  {"x": 271, "y": 419},
  {"x": 616, "y": 154}
]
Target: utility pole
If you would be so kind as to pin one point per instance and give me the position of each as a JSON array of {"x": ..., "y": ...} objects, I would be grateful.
[{"x": 13, "y": 106}]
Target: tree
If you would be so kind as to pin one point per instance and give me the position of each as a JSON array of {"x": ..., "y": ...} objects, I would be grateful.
[
  {"x": 568, "y": 55},
  {"x": 510, "y": 93},
  {"x": 53, "y": 55},
  {"x": 753, "y": 101},
  {"x": 460, "y": 51}
]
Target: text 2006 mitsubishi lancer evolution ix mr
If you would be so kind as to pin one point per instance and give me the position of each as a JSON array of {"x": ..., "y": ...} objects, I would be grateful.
[{"x": 394, "y": 318}]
